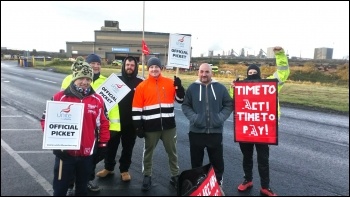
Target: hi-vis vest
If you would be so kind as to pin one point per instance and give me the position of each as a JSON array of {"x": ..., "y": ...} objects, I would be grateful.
[{"x": 113, "y": 114}]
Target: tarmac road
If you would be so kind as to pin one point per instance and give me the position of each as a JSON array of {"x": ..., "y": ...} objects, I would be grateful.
[{"x": 312, "y": 157}]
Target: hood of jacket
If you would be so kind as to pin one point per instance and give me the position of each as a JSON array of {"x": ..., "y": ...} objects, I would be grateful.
[
  {"x": 134, "y": 74},
  {"x": 211, "y": 87}
]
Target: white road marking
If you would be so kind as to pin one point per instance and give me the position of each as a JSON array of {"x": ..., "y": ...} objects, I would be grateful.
[
  {"x": 45, "y": 80},
  {"x": 39, "y": 151},
  {"x": 21, "y": 129},
  {"x": 37, "y": 177}
]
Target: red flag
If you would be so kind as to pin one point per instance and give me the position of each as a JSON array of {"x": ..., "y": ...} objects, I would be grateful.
[{"x": 145, "y": 49}]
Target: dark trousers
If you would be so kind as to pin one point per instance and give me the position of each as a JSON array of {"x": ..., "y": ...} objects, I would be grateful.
[
  {"x": 263, "y": 162},
  {"x": 213, "y": 143},
  {"x": 96, "y": 159},
  {"x": 77, "y": 168},
  {"x": 127, "y": 137}
]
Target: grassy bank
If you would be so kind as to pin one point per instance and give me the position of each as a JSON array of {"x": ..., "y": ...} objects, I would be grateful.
[{"x": 325, "y": 97}]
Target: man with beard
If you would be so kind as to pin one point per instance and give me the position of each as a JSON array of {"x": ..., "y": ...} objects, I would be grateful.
[{"x": 127, "y": 133}]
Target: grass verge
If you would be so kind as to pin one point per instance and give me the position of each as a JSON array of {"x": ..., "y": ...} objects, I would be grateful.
[{"x": 305, "y": 95}]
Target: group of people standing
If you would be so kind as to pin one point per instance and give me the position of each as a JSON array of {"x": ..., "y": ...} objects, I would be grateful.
[{"x": 147, "y": 111}]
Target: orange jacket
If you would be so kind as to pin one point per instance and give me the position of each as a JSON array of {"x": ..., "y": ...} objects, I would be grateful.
[{"x": 153, "y": 104}]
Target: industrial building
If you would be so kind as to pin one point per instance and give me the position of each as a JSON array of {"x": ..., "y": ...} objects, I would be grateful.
[
  {"x": 270, "y": 53},
  {"x": 111, "y": 43},
  {"x": 323, "y": 53}
]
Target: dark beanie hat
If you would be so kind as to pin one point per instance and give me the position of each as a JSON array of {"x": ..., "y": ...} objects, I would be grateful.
[
  {"x": 255, "y": 67},
  {"x": 93, "y": 58},
  {"x": 154, "y": 61}
]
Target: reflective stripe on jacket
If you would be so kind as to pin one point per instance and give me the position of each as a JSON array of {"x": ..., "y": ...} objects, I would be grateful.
[{"x": 153, "y": 104}]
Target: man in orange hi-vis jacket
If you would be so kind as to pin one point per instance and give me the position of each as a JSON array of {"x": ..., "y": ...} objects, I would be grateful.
[{"x": 154, "y": 118}]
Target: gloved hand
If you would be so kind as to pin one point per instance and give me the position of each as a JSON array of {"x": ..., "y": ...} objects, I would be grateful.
[
  {"x": 102, "y": 150},
  {"x": 180, "y": 92},
  {"x": 63, "y": 155},
  {"x": 177, "y": 82},
  {"x": 140, "y": 133}
]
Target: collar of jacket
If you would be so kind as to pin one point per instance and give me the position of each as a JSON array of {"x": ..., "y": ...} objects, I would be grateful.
[
  {"x": 69, "y": 92},
  {"x": 155, "y": 79}
]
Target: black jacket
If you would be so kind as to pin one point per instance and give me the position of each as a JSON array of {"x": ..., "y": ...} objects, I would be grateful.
[{"x": 125, "y": 105}]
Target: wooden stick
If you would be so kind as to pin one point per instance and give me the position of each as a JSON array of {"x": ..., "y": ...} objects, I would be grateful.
[
  {"x": 60, "y": 170},
  {"x": 177, "y": 74}
]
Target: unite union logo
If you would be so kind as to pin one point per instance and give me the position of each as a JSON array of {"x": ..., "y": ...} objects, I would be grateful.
[
  {"x": 66, "y": 110},
  {"x": 119, "y": 85},
  {"x": 64, "y": 113},
  {"x": 180, "y": 41}
]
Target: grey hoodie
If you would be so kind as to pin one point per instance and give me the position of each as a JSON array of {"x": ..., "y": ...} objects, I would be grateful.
[{"x": 207, "y": 106}]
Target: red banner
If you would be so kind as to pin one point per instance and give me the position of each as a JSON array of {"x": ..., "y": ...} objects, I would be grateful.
[
  {"x": 199, "y": 181},
  {"x": 256, "y": 113},
  {"x": 209, "y": 187},
  {"x": 145, "y": 49}
]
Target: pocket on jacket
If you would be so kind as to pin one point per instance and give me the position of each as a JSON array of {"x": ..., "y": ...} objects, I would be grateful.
[
  {"x": 199, "y": 121},
  {"x": 217, "y": 120}
]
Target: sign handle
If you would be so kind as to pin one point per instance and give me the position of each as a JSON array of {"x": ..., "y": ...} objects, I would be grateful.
[
  {"x": 177, "y": 74},
  {"x": 60, "y": 170}
]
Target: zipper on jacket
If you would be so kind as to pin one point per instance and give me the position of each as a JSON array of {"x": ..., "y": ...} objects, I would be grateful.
[
  {"x": 207, "y": 108},
  {"x": 159, "y": 103}
]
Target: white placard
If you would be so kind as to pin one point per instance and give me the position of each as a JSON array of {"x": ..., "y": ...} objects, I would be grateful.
[
  {"x": 112, "y": 91},
  {"x": 63, "y": 125},
  {"x": 179, "y": 54}
]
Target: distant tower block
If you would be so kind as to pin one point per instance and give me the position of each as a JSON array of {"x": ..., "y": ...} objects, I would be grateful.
[{"x": 323, "y": 53}]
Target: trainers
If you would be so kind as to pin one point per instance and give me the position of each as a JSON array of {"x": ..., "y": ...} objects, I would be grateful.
[
  {"x": 70, "y": 192},
  {"x": 267, "y": 192},
  {"x": 125, "y": 176},
  {"x": 245, "y": 185},
  {"x": 174, "y": 181},
  {"x": 104, "y": 173},
  {"x": 93, "y": 186},
  {"x": 147, "y": 183}
]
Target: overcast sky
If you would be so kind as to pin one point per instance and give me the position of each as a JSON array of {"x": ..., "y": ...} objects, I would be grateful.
[{"x": 299, "y": 27}]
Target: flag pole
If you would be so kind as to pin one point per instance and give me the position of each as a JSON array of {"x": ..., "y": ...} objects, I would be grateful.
[{"x": 143, "y": 37}]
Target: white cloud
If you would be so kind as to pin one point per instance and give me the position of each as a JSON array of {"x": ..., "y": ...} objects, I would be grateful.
[{"x": 220, "y": 26}]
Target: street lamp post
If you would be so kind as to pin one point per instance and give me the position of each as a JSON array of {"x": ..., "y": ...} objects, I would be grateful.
[
  {"x": 165, "y": 52},
  {"x": 143, "y": 37}
]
